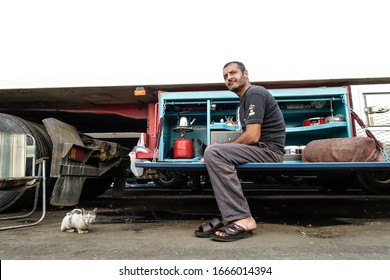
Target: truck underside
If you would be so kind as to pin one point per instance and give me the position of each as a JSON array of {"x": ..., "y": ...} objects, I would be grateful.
[{"x": 372, "y": 177}]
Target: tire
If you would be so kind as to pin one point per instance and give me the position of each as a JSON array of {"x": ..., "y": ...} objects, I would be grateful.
[
  {"x": 93, "y": 187},
  {"x": 168, "y": 179},
  {"x": 10, "y": 200},
  {"x": 374, "y": 182}
]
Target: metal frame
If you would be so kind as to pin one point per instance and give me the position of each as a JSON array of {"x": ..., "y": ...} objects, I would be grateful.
[
  {"x": 22, "y": 183},
  {"x": 283, "y": 166}
]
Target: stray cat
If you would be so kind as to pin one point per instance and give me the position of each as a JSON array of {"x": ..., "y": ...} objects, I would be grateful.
[{"x": 78, "y": 219}]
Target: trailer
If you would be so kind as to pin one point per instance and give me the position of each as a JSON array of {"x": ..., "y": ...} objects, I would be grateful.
[
  {"x": 189, "y": 121},
  {"x": 86, "y": 132},
  {"x": 81, "y": 167}
]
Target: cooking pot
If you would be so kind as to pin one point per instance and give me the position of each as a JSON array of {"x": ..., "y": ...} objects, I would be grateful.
[
  {"x": 291, "y": 150},
  {"x": 314, "y": 121},
  {"x": 337, "y": 118}
]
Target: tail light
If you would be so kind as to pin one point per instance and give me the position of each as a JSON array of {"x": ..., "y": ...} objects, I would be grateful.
[{"x": 77, "y": 154}]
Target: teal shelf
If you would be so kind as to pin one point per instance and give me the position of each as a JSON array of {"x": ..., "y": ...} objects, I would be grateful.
[
  {"x": 223, "y": 126},
  {"x": 310, "y": 111},
  {"x": 327, "y": 126}
]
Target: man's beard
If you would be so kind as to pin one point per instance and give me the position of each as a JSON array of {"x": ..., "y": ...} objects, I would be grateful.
[{"x": 237, "y": 88}]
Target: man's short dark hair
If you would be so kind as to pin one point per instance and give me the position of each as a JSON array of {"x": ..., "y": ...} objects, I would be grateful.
[{"x": 239, "y": 64}]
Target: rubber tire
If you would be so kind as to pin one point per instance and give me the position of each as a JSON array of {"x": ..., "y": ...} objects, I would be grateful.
[
  {"x": 168, "y": 179},
  {"x": 9, "y": 200},
  {"x": 93, "y": 187},
  {"x": 374, "y": 182}
]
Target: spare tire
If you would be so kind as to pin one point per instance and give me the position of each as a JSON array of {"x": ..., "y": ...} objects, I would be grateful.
[{"x": 12, "y": 200}]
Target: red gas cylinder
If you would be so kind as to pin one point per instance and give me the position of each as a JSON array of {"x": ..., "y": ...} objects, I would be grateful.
[{"x": 183, "y": 148}]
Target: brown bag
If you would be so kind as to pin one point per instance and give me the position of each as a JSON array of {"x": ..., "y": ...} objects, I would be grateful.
[{"x": 355, "y": 149}]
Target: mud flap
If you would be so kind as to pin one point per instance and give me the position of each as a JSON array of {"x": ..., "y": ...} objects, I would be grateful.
[{"x": 67, "y": 191}]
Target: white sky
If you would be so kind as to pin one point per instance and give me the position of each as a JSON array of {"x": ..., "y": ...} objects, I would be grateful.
[{"x": 83, "y": 43}]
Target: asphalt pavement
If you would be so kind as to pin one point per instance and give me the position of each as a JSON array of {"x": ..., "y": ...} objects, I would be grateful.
[{"x": 160, "y": 226}]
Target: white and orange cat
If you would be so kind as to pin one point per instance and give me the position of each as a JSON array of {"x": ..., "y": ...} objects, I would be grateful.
[{"x": 78, "y": 219}]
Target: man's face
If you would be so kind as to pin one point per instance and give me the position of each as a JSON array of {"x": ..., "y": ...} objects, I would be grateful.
[{"x": 234, "y": 78}]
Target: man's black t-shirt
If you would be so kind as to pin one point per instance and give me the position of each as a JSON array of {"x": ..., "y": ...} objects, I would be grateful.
[{"x": 259, "y": 106}]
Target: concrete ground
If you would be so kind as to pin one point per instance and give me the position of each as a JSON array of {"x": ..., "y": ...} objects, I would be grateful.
[{"x": 142, "y": 226}]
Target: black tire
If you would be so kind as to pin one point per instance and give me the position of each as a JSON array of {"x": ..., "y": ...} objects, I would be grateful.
[
  {"x": 10, "y": 200},
  {"x": 168, "y": 179},
  {"x": 375, "y": 182},
  {"x": 93, "y": 187}
]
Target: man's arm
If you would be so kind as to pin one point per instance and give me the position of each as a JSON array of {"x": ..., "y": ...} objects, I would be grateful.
[{"x": 251, "y": 135}]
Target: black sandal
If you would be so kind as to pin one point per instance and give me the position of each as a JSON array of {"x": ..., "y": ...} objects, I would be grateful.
[
  {"x": 209, "y": 228},
  {"x": 232, "y": 232}
]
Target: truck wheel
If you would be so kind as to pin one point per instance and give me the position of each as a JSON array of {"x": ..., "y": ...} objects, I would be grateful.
[
  {"x": 11, "y": 200},
  {"x": 375, "y": 182},
  {"x": 93, "y": 187},
  {"x": 168, "y": 179}
]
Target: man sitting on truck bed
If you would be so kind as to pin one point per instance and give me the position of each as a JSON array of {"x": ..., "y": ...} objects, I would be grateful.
[{"x": 262, "y": 140}]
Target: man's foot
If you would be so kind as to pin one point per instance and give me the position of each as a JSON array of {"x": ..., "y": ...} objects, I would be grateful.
[
  {"x": 231, "y": 232},
  {"x": 240, "y": 228}
]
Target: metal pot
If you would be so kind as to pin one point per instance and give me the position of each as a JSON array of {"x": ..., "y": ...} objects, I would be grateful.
[
  {"x": 337, "y": 118},
  {"x": 291, "y": 150},
  {"x": 314, "y": 121},
  {"x": 184, "y": 122}
]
